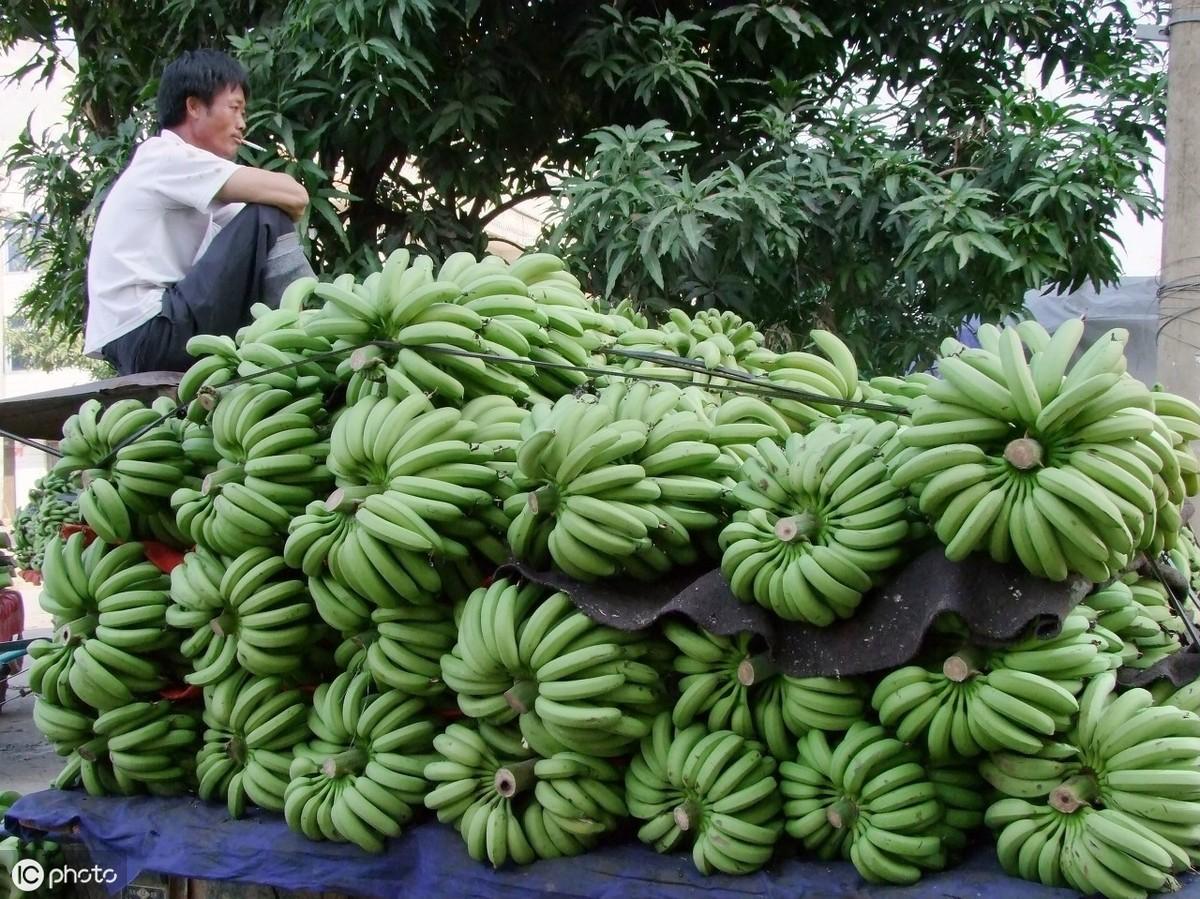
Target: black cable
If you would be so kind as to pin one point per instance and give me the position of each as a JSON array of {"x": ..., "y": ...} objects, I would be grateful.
[
  {"x": 745, "y": 377},
  {"x": 41, "y": 447},
  {"x": 1188, "y": 624}
]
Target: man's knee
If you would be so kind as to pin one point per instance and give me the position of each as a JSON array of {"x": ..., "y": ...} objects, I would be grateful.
[{"x": 264, "y": 214}]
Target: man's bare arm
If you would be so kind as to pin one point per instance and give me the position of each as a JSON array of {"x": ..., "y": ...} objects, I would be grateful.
[{"x": 251, "y": 185}]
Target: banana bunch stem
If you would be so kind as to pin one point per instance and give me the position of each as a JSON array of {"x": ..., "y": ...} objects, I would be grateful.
[
  {"x": 515, "y": 778},
  {"x": 1074, "y": 793},
  {"x": 350, "y": 761}
]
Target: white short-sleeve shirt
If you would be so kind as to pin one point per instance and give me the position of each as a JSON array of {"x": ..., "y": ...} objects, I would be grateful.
[{"x": 157, "y": 220}]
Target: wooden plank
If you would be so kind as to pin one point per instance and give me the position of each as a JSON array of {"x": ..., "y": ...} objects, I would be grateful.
[
  {"x": 10, "y": 479},
  {"x": 40, "y": 416}
]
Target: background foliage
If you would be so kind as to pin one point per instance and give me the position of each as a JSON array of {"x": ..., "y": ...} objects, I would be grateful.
[{"x": 882, "y": 167}]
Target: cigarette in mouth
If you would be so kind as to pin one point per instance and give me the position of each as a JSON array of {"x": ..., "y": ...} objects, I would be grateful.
[{"x": 253, "y": 146}]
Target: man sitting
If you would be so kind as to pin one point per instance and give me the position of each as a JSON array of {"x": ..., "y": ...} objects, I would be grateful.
[{"x": 188, "y": 240}]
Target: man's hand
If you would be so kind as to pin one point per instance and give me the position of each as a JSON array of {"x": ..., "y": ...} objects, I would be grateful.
[{"x": 251, "y": 185}]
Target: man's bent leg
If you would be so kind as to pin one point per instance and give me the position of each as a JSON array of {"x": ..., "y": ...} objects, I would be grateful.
[
  {"x": 231, "y": 276},
  {"x": 245, "y": 264}
]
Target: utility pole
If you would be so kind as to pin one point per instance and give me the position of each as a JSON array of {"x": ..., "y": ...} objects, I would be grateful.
[{"x": 1179, "y": 290}]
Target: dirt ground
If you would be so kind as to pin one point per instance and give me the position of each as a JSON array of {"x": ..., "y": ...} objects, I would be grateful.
[{"x": 27, "y": 761}]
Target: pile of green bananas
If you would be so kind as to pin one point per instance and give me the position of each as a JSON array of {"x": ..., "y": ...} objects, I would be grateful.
[
  {"x": 819, "y": 521},
  {"x": 731, "y": 687},
  {"x": 1070, "y": 469},
  {"x": 509, "y": 804},
  {"x": 52, "y": 503},
  {"x": 139, "y": 747},
  {"x": 108, "y": 606},
  {"x": 248, "y": 610},
  {"x": 361, "y": 775},
  {"x": 526, "y": 654},
  {"x": 867, "y": 799},
  {"x": 714, "y": 791},
  {"x": 271, "y": 467},
  {"x": 251, "y": 726}
]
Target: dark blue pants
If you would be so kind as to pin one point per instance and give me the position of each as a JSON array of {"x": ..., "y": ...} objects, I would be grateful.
[{"x": 213, "y": 298}]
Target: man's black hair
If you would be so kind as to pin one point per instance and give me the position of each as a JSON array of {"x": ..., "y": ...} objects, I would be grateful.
[{"x": 197, "y": 73}]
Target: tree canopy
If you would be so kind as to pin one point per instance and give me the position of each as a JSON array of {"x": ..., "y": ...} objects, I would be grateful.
[{"x": 886, "y": 168}]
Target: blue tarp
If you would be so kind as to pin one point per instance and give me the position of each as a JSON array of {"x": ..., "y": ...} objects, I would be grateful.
[{"x": 189, "y": 838}]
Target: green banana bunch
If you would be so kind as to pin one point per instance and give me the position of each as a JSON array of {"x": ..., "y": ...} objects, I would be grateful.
[
  {"x": 962, "y": 792},
  {"x": 1081, "y": 649},
  {"x": 349, "y": 570},
  {"x": 585, "y": 505},
  {"x": 714, "y": 791},
  {"x": 252, "y": 725},
  {"x": 1140, "y": 758},
  {"x": 574, "y": 685},
  {"x": 150, "y": 747},
  {"x": 819, "y": 521},
  {"x": 1113, "y": 611},
  {"x": 510, "y": 805},
  {"x": 139, "y": 747},
  {"x": 1068, "y": 470},
  {"x": 409, "y": 476},
  {"x": 1123, "y": 797},
  {"x": 52, "y": 503},
  {"x": 739, "y": 422},
  {"x": 743, "y": 691},
  {"x": 130, "y": 460},
  {"x": 243, "y": 610},
  {"x": 972, "y": 704},
  {"x": 66, "y": 729},
  {"x": 833, "y": 374},
  {"x": 536, "y": 310},
  {"x": 1186, "y": 697},
  {"x": 1177, "y": 424},
  {"x": 1186, "y": 557},
  {"x": 1031, "y": 775},
  {"x": 1153, "y": 644},
  {"x": 716, "y": 339},
  {"x": 1091, "y": 850},
  {"x": 271, "y": 466},
  {"x": 47, "y": 853},
  {"x": 895, "y": 391},
  {"x": 405, "y": 648},
  {"x": 867, "y": 799},
  {"x": 362, "y": 775},
  {"x": 275, "y": 348},
  {"x": 108, "y": 605},
  {"x": 216, "y": 364},
  {"x": 687, "y": 457}
]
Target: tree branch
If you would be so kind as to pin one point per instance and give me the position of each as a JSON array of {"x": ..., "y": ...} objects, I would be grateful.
[
  {"x": 512, "y": 202},
  {"x": 493, "y": 237}
]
